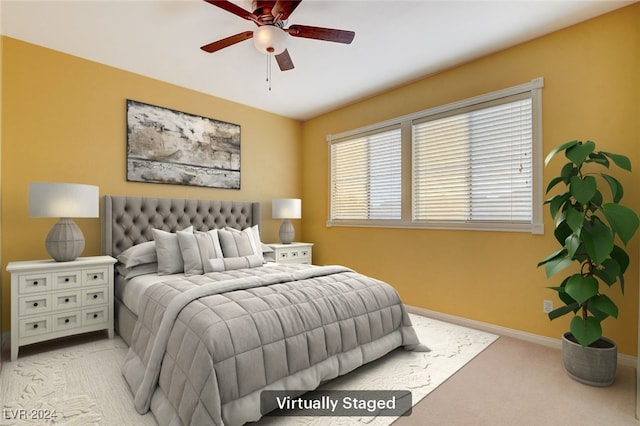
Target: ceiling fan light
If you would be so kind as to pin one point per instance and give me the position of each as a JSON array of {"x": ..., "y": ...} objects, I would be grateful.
[{"x": 270, "y": 39}]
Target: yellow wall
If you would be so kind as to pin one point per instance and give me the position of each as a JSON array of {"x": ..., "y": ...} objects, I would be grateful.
[
  {"x": 592, "y": 90},
  {"x": 64, "y": 120}
]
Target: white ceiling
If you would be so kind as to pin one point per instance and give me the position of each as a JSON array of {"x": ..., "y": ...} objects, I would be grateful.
[{"x": 396, "y": 42}]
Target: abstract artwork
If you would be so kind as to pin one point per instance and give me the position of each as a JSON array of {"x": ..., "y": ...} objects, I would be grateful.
[{"x": 167, "y": 146}]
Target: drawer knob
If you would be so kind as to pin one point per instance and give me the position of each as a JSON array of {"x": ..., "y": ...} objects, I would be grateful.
[
  {"x": 35, "y": 304},
  {"x": 66, "y": 320},
  {"x": 95, "y": 315},
  {"x": 95, "y": 296},
  {"x": 35, "y": 283},
  {"x": 66, "y": 280},
  {"x": 66, "y": 300},
  {"x": 35, "y": 325},
  {"x": 95, "y": 277}
]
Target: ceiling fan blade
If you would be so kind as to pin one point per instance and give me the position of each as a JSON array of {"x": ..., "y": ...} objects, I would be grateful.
[
  {"x": 284, "y": 61},
  {"x": 318, "y": 33},
  {"x": 236, "y": 10},
  {"x": 283, "y": 9},
  {"x": 226, "y": 42}
]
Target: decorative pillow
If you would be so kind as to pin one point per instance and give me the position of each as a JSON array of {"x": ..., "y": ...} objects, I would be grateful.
[
  {"x": 236, "y": 243},
  {"x": 168, "y": 251},
  {"x": 230, "y": 263},
  {"x": 253, "y": 234},
  {"x": 139, "y": 254},
  {"x": 196, "y": 248}
]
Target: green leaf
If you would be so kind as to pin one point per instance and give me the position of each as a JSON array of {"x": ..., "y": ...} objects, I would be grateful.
[
  {"x": 620, "y": 160},
  {"x": 599, "y": 158},
  {"x": 572, "y": 244},
  {"x": 609, "y": 272},
  {"x": 586, "y": 332},
  {"x": 556, "y": 203},
  {"x": 568, "y": 171},
  {"x": 621, "y": 257},
  {"x": 563, "y": 310},
  {"x": 574, "y": 218},
  {"x": 555, "y": 254},
  {"x": 556, "y": 265},
  {"x": 616, "y": 187},
  {"x": 623, "y": 220},
  {"x": 562, "y": 232},
  {"x": 598, "y": 241},
  {"x": 581, "y": 288},
  {"x": 554, "y": 182},
  {"x": 579, "y": 152},
  {"x": 583, "y": 190},
  {"x": 604, "y": 304},
  {"x": 557, "y": 150}
]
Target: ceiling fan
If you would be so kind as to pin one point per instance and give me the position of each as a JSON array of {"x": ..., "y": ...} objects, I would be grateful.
[{"x": 271, "y": 35}]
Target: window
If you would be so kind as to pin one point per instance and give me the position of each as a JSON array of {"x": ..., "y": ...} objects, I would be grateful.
[
  {"x": 473, "y": 164},
  {"x": 366, "y": 177}
]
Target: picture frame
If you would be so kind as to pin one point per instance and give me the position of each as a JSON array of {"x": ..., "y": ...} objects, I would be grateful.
[{"x": 173, "y": 147}]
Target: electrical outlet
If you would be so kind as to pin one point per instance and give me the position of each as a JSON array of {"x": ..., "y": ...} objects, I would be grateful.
[{"x": 547, "y": 306}]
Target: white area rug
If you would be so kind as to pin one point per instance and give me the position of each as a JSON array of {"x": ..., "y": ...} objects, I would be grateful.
[{"x": 82, "y": 385}]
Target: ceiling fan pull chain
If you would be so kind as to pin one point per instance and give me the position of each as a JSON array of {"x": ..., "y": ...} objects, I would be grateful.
[{"x": 269, "y": 70}]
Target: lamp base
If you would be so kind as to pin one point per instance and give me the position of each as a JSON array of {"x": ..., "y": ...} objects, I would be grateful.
[
  {"x": 65, "y": 241},
  {"x": 286, "y": 232}
]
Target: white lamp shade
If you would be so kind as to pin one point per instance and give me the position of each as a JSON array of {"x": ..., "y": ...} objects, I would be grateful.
[
  {"x": 286, "y": 208},
  {"x": 270, "y": 39},
  {"x": 68, "y": 200}
]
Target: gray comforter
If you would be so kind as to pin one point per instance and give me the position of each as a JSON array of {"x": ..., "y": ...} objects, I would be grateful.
[{"x": 205, "y": 346}]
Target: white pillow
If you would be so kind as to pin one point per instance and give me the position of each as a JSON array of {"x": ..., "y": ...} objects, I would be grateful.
[
  {"x": 139, "y": 254},
  {"x": 196, "y": 248},
  {"x": 168, "y": 251},
  {"x": 229, "y": 263},
  {"x": 253, "y": 235}
]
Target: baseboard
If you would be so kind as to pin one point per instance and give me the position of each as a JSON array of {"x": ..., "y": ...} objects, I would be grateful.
[{"x": 626, "y": 360}]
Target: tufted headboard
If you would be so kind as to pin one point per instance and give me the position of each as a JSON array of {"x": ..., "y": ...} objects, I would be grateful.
[{"x": 127, "y": 221}]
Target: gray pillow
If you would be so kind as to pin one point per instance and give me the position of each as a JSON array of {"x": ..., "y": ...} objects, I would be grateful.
[
  {"x": 168, "y": 252},
  {"x": 196, "y": 248},
  {"x": 139, "y": 254}
]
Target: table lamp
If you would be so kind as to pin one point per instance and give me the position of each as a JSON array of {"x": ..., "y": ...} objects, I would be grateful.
[
  {"x": 286, "y": 208},
  {"x": 65, "y": 241}
]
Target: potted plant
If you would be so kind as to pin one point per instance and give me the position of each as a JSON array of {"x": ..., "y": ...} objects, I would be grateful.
[{"x": 590, "y": 223}]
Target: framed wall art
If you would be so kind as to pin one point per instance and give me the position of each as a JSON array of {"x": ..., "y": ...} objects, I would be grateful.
[{"x": 168, "y": 146}]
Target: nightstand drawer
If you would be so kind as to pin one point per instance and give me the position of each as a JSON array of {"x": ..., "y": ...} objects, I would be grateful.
[
  {"x": 34, "y": 326},
  {"x": 34, "y": 283},
  {"x": 94, "y": 296},
  {"x": 66, "y": 279},
  {"x": 290, "y": 253},
  {"x": 95, "y": 276},
  {"x": 66, "y": 321},
  {"x": 94, "y": 316},
  {"x": 35, "y": 304},
  {"x": 66, "y": 300}
]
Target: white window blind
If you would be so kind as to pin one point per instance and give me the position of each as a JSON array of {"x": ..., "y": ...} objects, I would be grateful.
[
  {"x": 366, "y": 177},
  {"x": 475, "y": 164},
  {"x": 471, "y": 164}
]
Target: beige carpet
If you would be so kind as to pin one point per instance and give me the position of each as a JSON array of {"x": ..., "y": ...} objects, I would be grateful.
[{"x": 82, "y": 384}]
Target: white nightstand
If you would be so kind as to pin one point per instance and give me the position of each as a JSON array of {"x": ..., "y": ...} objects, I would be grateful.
[
  {"x": 52, "y": 299},
  {"x": 290, "y": 253}
]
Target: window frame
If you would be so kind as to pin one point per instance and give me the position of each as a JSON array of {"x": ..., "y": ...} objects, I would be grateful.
[{"x": 532, "y": 88}]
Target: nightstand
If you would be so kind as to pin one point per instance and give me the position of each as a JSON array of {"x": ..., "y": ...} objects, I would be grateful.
[
  {"x": 52, "y": 299},
  {"x": 290, "y": 253}
]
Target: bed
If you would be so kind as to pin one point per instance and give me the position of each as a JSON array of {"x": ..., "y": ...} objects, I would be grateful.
[{"x": 210, "y": 324}]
